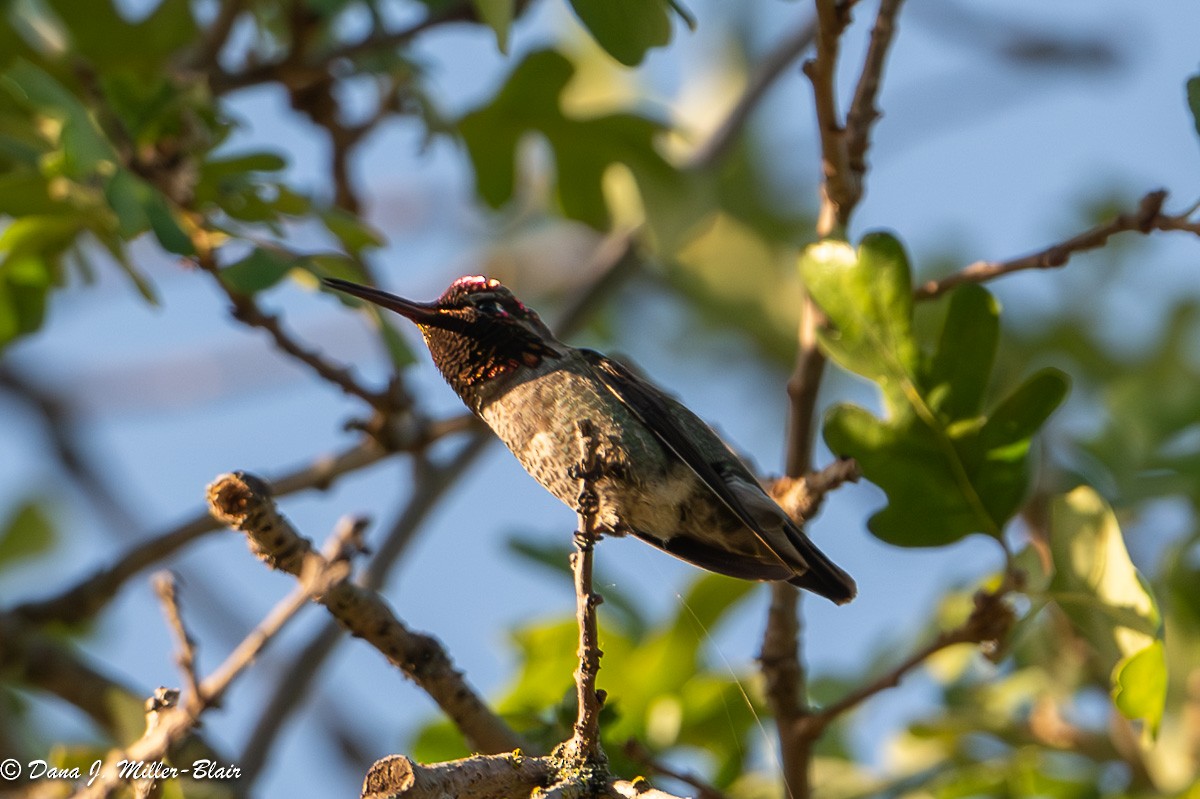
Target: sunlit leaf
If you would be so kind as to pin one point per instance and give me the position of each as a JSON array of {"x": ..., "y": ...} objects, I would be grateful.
[
  {"x": 1101, "y": 591},
  {"x": 948, "y": 468},
  {"x": 1139, "y": 683}
]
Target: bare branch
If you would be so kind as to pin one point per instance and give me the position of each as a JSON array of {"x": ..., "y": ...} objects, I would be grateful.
[
  {"x": 488, "y": 777},
  {"x": 478, "y": 777},
  {"x": 168, "y": 723},
  {"x": 639, "y": 754},
  {"x": 245, "y": 309},
  {"x": 863, "y": 113},
  {"x": 86, "y": 598},
  {"x": 832, "y": 19},
  {"x": 164, "y": 586},
  {"x": 801, "y": 497},
  {"x": 244, "y": 502},
  {"x": 1146, "y": 219},
  {"x": 431, "y": 484},
  {"x": 843, "y": 167},
  {"x": 584, "y": 746},
  {"x": 988, "y": 623}
]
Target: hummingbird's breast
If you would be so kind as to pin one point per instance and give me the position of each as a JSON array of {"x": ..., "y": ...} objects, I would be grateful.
[{"x": 646, "y": 489}]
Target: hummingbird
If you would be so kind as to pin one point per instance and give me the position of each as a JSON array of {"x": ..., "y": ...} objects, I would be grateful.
[{"x": 668, "y": 478}]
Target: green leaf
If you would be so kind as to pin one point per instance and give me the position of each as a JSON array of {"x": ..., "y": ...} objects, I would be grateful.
[
  {"x": 583, "y": 148},
  {"x": 948, "y": 468},
  {"x": 101, "y": 35},
  {"x": 1193, "y": 99},
  {"x": 626, "y": 28},
  {"x": 26, "y": 533},
  {"x": 166, "y": 227},
  {"x": 24, "y": 192},
  {"x": 1139, "y": 685},
  {"x": 868, "y": 295},
  {"x": 354, "y": 234},
  {"x": 85, "y": 150},
  {"x": 261, "y": 269},
  {"x": 498, "y": 15},
  {"x": 31, "y": 249},
  {"x": 1106, "y": 599}
]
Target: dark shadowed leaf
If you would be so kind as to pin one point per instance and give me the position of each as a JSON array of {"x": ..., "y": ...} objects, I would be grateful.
[
  {"x": 583, "y": 148},
  {"x": 497, "y": 15},
  {"x": 26, "y": 533},
  {"x": 1193, "y": 99},
  {"x": 261, "y": 269},
  {"x": 626, "y": 28}
]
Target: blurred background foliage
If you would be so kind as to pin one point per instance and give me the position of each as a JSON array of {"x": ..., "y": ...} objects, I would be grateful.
[{"x": 122, "y": 139}]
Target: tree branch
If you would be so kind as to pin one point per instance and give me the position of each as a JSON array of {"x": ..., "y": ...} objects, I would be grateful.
[
  {"x": 83, "y": 600},
  {"x": 244, "y": 502},
  {"x": 164, "y": 586},
  {"x": 988, "y": 623},
  {"x": 863, "y": 114},
  {"x": 584, "y": 746},
  {"x": 286, "y": 69},
  {"x": 168, "y": 722},
  {"x": 843, "y": 168},
  {"x": 245, "y": 309},
  {"x": 1147, "y": 218},
  {"x": 432, "y": 483},
  {"x": 212, "y": 42}
]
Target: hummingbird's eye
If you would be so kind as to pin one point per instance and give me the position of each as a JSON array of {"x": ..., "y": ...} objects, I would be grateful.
[{"x": 492, "y": 307}]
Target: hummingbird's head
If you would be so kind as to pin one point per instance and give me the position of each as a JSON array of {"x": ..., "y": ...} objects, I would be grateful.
[{"x": 477, "y": 331}]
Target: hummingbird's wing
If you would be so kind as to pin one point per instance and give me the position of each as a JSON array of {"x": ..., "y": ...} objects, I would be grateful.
[{"x": 740, "y": 494}]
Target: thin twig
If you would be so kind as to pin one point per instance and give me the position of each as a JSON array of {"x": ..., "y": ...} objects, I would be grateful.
[
  {"x": 584, "y": 746},
  {"x": 638, "y": 753},
  {"x": 245, "y": 309},
  {"x": 769, "y": 70},
  {"x": 1146, "y": 219},
  {"x": 224, "y": 82},
  {"x": 165, "y": 587},
  {"x": 172, "y": 724},
  {"x": 821, "y": 70},
  {"x": 861, "y": 116},
  {"x": 84, "y": 599},
  {"x": 843, "y": 168},
  {"x": 989, "y": 623}
]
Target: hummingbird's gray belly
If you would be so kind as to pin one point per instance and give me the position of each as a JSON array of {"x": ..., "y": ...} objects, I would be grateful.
[{"x": 646, "y": 489}]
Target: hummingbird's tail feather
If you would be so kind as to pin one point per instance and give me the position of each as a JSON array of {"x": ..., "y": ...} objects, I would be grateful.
[{"x": 823, "y": 576}]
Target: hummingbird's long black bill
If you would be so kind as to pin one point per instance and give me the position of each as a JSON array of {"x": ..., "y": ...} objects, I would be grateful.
[{"x": 420, "y": 312}]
